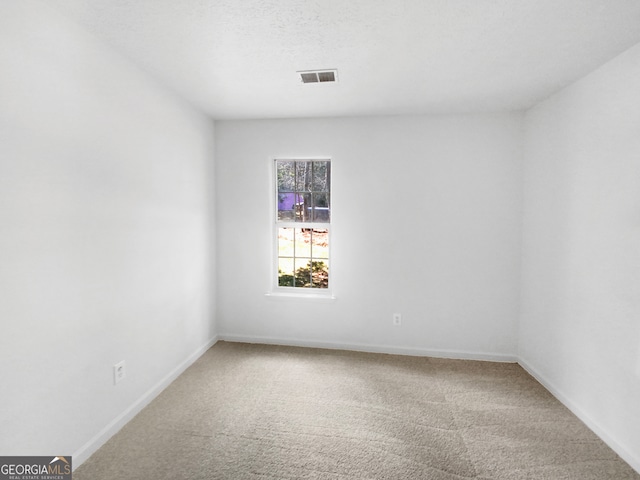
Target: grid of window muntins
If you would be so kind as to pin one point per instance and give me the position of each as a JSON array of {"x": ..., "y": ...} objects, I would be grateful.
[
  {"x": 303, "y": 217},
  {"x": 303, "y": 257},
  {"x": 304, "y": 189}
]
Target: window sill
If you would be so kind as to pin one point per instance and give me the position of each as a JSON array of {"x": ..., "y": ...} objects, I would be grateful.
[{"x": 287, "y": 296}]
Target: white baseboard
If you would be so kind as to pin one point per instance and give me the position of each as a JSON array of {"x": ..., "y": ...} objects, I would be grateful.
[
  {"x": 629, "y": 457},
  {"x": 362, "y": 347},
  {"x": 89, "y": 448}
]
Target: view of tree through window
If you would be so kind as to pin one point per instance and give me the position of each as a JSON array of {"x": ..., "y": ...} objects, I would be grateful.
[{"x": 303, "y": 216}]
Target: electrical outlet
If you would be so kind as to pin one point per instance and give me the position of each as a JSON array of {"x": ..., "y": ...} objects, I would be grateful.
[
  {"x": 397, "y": 319},
  {"x": 119, "y": 372}
]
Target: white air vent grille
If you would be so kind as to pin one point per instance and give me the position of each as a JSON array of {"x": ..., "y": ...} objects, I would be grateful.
[{"x": 318, "y": 76}]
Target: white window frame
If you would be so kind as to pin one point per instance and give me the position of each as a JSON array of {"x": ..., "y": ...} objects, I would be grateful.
[{"x": 276, "y": 290}]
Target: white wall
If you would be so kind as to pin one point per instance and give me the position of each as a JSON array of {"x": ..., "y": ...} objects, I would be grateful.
[
  {"x": 105, "y": 235},
  {"x": 580, "y": 325},
  {"x": 426, "y": 222}
]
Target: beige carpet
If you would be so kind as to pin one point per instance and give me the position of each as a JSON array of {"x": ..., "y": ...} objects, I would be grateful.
[{"x": 266, "y": 412}]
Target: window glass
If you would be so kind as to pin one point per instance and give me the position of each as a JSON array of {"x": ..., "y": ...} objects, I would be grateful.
[{"x": 303, "y": 189}]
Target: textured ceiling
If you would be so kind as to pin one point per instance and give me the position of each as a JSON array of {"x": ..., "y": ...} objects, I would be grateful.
[{"x": 238, "y": 58}]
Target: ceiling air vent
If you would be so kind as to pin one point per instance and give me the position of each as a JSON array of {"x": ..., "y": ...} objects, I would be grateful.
[{"x": 318, "y": 76}]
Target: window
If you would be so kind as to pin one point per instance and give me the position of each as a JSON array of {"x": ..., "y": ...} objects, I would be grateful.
[{"x": 302, "y": 223}]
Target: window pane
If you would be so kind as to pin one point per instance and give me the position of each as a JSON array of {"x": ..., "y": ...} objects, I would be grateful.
[
  {"x": 303, "y": 207},
  {"x": 286, "y": 176},
  {"x": 285, "y": 272},
  {"x": 303, "y": 242},
  {"x": 303, "y": 272},
  {"x": 285, "y": 242},
  {"x": 303, "y": 176},
  {"x": 319, "y": 274},
  {"x": 321, "y": 176},
  {"x": 320, "y": 244},
  {"x": 321, "y": 209},
  {"x": 286, "y": 206}
]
